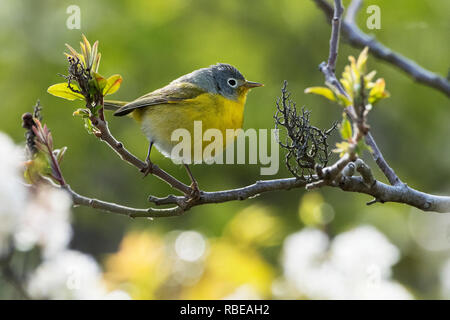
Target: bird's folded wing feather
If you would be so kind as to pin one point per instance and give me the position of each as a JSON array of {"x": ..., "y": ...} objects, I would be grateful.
[{"x": 171, "y": 93}]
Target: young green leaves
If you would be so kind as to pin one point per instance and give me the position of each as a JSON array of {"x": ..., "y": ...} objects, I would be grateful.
[
  {"x": 44, "y": 160},
  {"x": 87, "y": 62},
  {"x": 345, "y": 129},
  {"x": 85, "y": 83},
  {"x": 349, "y": 144},
  {"x": 361, "y": 93},
  {"x": 62, "y": 90},
  {"x": 351, "y": 82},
  {"x": 104, "y": 86}
]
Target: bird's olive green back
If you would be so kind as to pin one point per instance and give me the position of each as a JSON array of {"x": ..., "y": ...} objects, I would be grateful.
[{"x": 169, "y": 94}]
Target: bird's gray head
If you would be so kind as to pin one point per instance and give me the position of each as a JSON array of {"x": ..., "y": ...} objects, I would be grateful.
[{"x": 220, "y": 78}]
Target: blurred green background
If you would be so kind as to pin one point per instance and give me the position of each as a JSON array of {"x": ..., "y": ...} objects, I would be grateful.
[{"x": 153, "y": 42}]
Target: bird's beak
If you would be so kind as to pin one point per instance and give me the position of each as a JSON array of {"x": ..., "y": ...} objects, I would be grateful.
[{"x": 251, "y": 84}]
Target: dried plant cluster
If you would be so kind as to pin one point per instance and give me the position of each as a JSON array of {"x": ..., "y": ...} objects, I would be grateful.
[{"x": 306, "y": 145}]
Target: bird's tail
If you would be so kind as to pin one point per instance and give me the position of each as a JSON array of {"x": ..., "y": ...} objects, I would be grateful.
[{"x": 113, "y": 104}]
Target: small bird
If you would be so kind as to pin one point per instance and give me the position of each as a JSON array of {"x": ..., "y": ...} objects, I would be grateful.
[{"x": 215, "y": 96}]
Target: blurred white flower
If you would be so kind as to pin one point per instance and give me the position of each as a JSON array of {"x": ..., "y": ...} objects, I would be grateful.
[
  {"x": 46, "y": 222},
  {"x": 117, "y": 295},
  {"x": 355, "y": 265},
  {"x": 244, "y": 292},
  {"x": 30, "y": 218},
  {"x": 190, "y": 246},
  {"x": 306, "y": 264},
  {"x": 70, "y": 275},
  {"x": 364, "y": 251},
  {"x": 42, "y": 217},
  {"x": 186, "y": 252},
  {"x": 384, "y": 290},
  {"x": 13, "y": 193}
]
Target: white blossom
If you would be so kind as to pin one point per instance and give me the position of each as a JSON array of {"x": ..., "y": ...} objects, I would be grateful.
[
  {"x": 364, "y": 251},
  {"x": 355, "y": 265},
  {"x": 190, "y": 246},
  {"x": 41, "y": 217},
  {"x": 46, "y": 222},
  {"x": 244, "y": 292},
  {"x": 70, "y": 275},
  {"x": 13, "y": 193}
]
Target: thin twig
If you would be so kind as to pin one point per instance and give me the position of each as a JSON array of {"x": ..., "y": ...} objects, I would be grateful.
[
  {"x": 381, "y": 162},
  {"x": 123, "y": 210},
  {"x": 334, "y": 41},
  {"x": 182, "y": 203},
  {"x": 127, "y": 156},
  {"x": 359, "y": 39}
]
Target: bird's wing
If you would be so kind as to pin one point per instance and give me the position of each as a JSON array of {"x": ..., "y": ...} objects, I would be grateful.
[{"x": 171, "y": 93}]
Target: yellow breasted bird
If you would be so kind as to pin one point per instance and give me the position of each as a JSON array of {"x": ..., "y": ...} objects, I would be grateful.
[{"x": 215, "y": 95}]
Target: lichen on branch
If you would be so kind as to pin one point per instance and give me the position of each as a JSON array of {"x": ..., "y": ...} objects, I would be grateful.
[{"x": 306, "y": 145}]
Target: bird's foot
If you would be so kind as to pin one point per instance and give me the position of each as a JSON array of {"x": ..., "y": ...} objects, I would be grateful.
[
  {"x": 194, "y": 193},
  {"x": 147, "y": 169}
]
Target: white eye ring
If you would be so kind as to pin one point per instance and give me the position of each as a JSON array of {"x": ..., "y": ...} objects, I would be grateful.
[{"x": 232, "y": 82}]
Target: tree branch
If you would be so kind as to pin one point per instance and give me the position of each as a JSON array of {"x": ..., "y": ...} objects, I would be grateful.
[
  {"x": 399, "y": 193},
  {"x": 334, "y": 41},
  {"x": 123, "y": 210},
  {"x": 127, "y": 156},
  {"x": 359, "y": 39},
  {"x": 182, "y": 203},
  {"x": 381, "y": 162},
  {"x": 382, "y": 192},
  {"x": 330, "y": 77},
  {"x": 328, "y": 176}
]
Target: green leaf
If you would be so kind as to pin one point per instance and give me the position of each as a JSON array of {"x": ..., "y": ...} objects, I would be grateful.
[
  {"x": 342, "y": 148},
  {"x": 113, "y": 84},
  {"x": 96, "y": 109},
  {"x": 62, "y": 90},
  {"x": 84, "y": 113},
  {"x": 101, "y": 81},
  {"x": 368, "y": 77},
  {"x": 93, "y": 56},
  {"x": 378, "y": 91},
  {"x": 361, "y": 147},
  {"x": 321, "y": 91},
  {"x": 347, "y": 86},
  {"x": 87, "y": 49},
  {"x": 93, "y": 87},
  {"x": 343, "y": 100},
  {"x": 354, "y": 69},
  {"x": 97, "y": 62},
  {"x": 35, "y": 168},
  {"x": 346, "y": 128},
  {"x": 88, "y": 126},
  {"x": 362, "y": 59},
  {"x": 59, "y": 153}
]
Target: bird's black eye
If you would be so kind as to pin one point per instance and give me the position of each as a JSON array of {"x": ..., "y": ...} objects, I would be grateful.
[{"x": 232, "y": 82}]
